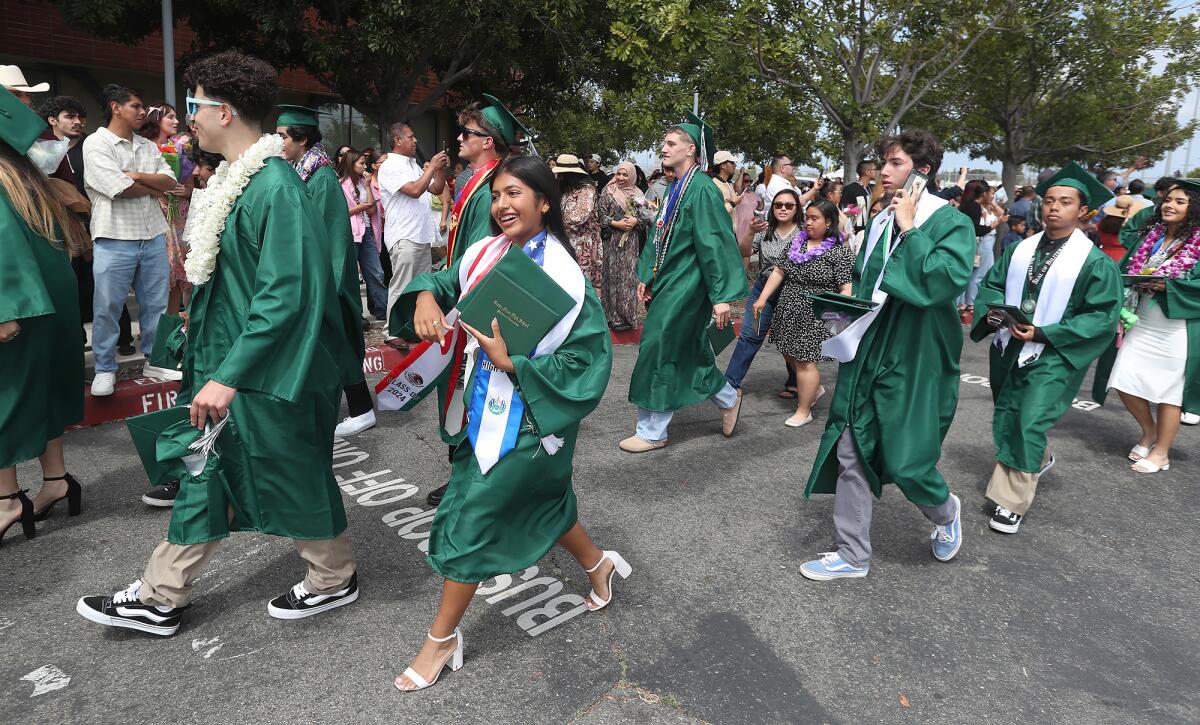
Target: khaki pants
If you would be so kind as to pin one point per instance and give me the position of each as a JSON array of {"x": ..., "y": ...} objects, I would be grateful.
[
  {"x": 173, "y": 568},
  {"x": 1013, "y": 489},
  {"x": 409, "y": 259}
]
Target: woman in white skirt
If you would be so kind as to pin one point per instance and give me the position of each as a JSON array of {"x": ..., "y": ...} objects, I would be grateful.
[{"x": 1158, "y": 358}]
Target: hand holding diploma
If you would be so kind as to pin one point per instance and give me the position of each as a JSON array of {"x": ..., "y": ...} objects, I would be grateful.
[
  {"x": 494, "y": 346},
  {"x": 1021, "y": 332},
  {"x": 428, "y": 321}
]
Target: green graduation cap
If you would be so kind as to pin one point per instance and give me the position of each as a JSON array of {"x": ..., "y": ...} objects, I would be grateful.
[
  {"x": 1191, "y": 184},
  {"x": 19, "y": 126},
  {"x": 702, "y": 134},
  {"x": 297, "y": 116},
  {"x": 145, "y": 430},
  {"x": 1095, "y": 194},
  {"x": 503, "y": 120}
]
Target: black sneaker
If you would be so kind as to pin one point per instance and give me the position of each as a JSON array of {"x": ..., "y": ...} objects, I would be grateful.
[
  {"x": 162, "y": 496},
  {"x": 435, "y": 496},
  {"x": 124, "y": 609},
  {"x": 298, "y": 602},
  {"x": 126, "y": 350},
  {"x": 1005, "y": 521}
]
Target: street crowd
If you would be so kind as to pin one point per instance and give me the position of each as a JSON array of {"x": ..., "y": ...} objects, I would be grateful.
[{"x": 246, "y": 244}]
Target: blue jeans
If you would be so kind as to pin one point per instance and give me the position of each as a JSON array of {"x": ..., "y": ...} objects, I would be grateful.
[
  {"x": 987, "y": 257},
  {"x": 749, "y": 341},
  {"x": 372, "y": 272},
  {"x": 118, "y": 264},
  {"x": 652, "y": 424}
]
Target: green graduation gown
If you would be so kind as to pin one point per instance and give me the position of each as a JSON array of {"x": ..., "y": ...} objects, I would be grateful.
[
  {"x": 507, "y": 519},
  {"x": 1181, "y": 302},
  {"x": 41, "y": 369},
  {"x": 1030, "y": 400},
  {"x": 702, "y": 267},
  {"x": 475, "y": 222},
  {"x": 330, "y": 200},
  {"x": 899, "y": 393},
  {"x": 268, "y": 323}
]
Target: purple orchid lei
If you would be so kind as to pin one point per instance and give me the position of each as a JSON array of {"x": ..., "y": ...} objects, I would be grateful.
[
  {"x": 1179, "y": 264},
  {"x": 800, "y": 253}
]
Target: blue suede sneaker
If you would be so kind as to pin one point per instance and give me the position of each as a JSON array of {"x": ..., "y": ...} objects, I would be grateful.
[
  {"x": 947, "y": 540},
  {"x": 831, "y": 566}
]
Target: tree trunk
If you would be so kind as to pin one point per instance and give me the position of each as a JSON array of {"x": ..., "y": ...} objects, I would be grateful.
[
  {"x": 1009, "y": 170},
  {"x": 852, "y": 153}
]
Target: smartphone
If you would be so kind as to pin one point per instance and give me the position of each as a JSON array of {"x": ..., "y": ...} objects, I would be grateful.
[{"x": 915, "y": 185}]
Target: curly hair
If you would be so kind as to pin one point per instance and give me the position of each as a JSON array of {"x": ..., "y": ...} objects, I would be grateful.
[
  {"x": 922, "y": 146},
  {"x": 60, "y": 104},
  {"x": 474, "y": 114},
  {"x": 243, "y": 81},
  {"x": 1191, "y": 221}
]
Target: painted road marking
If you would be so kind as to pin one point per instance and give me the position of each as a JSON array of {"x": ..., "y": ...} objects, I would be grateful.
[{"x": 47, "y": 679}]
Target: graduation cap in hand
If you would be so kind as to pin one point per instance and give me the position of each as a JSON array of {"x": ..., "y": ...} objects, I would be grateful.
[{"x": 19, "y": 126}]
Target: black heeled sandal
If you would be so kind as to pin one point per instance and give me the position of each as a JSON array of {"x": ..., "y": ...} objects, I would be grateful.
[
  {"x": 74, "y": 498},
  {"x": 26, "y": 519}
]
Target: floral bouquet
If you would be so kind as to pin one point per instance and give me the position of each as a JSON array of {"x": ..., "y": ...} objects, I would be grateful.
[{"x": 171, "y": 156}]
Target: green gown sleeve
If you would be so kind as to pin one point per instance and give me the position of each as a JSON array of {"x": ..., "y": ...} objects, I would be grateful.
[
  {"x": 24, "y": 294},
  {"x": 991, "y": 292},
  {"x": 933, "y": 263},
  {"x": 1131, "y": 231},
  {"x": 444, "y": 286},
  {"x": 291, "y": 283},
  {"x": 562, "y": 388},
  {"x": 1091, "y": 320},
  {"x": 1183, "y": 297},
  {"x": 716, "y": 247}
]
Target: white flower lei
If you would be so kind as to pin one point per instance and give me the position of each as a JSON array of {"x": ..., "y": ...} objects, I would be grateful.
[{"x": 208, "y": 221}]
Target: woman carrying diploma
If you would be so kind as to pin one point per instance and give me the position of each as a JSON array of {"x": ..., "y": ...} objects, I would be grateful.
[{"x": 509, "y": 498}]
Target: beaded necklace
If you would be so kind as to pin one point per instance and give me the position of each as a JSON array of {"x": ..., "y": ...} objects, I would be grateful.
[{"x": 666, "y": 221}]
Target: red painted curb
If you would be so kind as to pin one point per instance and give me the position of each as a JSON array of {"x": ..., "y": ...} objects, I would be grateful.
[{"x": 144, "y": 395}]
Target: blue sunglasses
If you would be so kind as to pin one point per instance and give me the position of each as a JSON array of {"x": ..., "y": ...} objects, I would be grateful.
[{"x": 193, "y": 105}]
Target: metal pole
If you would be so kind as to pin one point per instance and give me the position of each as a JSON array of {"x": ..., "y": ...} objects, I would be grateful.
[
  {"x": 696, "y": 103},
  {"x": 168, "y": 36},
  {"x": 1187, "y": 160}
]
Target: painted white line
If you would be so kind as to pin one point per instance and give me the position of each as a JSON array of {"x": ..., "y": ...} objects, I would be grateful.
[
  {"x": 47, "y": 679},
  {"x": 199, "y": 643}
]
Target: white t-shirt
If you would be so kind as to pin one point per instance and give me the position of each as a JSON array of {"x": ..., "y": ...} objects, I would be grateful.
[
  {"x": 777, "y": 184},
  {"x": 405, "y": 217}
]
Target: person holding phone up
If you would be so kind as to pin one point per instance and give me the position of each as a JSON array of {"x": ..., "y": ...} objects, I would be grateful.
[
  {"x": 1053, "y": 303},
  {"x": 897, "y": 387}
]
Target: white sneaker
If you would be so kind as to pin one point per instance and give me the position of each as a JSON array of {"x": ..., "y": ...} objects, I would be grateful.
[
  {"x": 355, "y": 424},
  {"x": 1189, "y": 418},
  {"x": 103, "y": 384},
  {"x": 153, "y": 371}
]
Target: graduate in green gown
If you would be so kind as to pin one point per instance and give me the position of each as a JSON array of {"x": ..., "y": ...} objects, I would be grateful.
[
  {"x": 265, "y": 354},
  {"x": 1156, "y": 371},
  {"x": 689, "y": 272},
  {"x": 488, "y": 131},
  {"x": 897, "y": 387},
  {"x": 1070, "y": 291},
  {"x": 298, "y": 127},
  {"x": 510, "y": 501},
  {"x": 41, "y": 339}
]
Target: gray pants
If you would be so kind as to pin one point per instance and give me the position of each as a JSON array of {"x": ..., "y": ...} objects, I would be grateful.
[
  {"x": 409, "y": 259},
  {"x": 853, "y": 503}
]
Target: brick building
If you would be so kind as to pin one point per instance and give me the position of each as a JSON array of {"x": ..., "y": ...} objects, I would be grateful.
[{"x": 34, "y": 36}]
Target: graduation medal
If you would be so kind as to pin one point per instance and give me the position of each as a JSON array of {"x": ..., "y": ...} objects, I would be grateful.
[{"x": 1028, "y": 306}]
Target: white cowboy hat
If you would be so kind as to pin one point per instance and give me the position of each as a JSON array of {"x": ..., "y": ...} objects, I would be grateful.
[
  {"x": 13, "y": 79},
  {"x": 568, "y": 164}
]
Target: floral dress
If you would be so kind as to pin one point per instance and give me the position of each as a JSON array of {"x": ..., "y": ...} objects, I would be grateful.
[
  {"x": 621, "y": 252},
  {"x": 583, "y": 226},
  {"x": 175, "y": 209},
  {"x": 795, "y": 330}
]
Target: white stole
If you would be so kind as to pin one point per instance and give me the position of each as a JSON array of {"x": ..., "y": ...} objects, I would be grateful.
[
  {"x": 844, "y": 346},
  {"x": 1054, "y": 294}
]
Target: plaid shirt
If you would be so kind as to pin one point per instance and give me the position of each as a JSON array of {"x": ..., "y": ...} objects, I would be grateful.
[{"x": 107, "y": 157}]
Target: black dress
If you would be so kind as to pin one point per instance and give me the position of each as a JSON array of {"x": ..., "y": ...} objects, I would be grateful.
[{"x": 795, "y": 330}]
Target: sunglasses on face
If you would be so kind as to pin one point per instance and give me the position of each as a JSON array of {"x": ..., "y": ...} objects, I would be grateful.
[
  {"x": 463, "y": 130},
  {"x": 193, "y": 105},
  {"x": 784, "y": 205}
]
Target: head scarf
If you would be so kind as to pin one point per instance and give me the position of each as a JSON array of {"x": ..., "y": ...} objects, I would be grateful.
[{"x": 622, "y": 194}]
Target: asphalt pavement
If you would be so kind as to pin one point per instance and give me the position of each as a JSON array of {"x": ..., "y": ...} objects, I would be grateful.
[{"x": 1085, "y": 616}]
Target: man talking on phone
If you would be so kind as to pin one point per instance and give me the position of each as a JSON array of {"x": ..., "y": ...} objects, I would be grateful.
[
  {"x": 897, "y": 387},
  {"x": 1067, "y": 297}
]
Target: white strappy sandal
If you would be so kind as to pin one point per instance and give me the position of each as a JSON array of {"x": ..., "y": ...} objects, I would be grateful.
[
  {"x": 620, "y": 566},
  {"x": 454, "y": 660}
]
